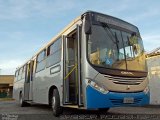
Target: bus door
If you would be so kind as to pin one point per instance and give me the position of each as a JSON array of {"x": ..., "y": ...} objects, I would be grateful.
[
  {"x": 72, "y": 82},
  {"x": 28, "y": 81}
]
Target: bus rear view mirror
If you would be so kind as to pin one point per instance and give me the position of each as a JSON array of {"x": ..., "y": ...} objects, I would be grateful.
[{"x": 87, "y": 24}]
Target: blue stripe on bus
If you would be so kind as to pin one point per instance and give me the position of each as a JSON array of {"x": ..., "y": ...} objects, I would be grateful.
[{"x": 96, "y": 99}]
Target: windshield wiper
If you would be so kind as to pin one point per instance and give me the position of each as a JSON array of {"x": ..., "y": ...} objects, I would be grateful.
[
  {"x": 111, "y": 35},
  {"x": 104, "y": 25}
]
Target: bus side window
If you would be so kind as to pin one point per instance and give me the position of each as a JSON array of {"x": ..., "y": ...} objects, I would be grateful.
[
  {"x": 23, "y": 72},
  {"x": 41, "y": 56},
  {"x": 54, "y": 53},
  {"x": 41, "y": 63},
  {"x": 20, "y": 73},
  {"x": 16, "y": 75}
]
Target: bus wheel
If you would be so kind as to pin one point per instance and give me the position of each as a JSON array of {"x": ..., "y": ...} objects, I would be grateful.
[
  {"x": 21, "y": 101},
  {"x": 56, "y": 108}
]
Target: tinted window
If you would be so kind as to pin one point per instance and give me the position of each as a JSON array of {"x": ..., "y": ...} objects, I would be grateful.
[
  {"x": 41, "y": 56},
  {"x": 54, "y": 47},
  {"x": 54, "y": 53},
  {"x": 20, "y": 71},
  {"x": 41, "y": 62},
  {"x": 16, "y": 74},
  {"x": 23, "y": 72}
]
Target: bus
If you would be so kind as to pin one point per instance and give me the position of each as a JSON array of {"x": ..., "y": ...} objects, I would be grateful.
[{"x": 97, "y": 62}]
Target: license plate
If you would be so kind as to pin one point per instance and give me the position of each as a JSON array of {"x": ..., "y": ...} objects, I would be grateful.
[{"x": 128, "y": 100}]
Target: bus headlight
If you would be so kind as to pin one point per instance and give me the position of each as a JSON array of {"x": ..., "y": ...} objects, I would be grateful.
[
  {"x": 96, "y": 86},
  {"x": 146, "y": 90}
]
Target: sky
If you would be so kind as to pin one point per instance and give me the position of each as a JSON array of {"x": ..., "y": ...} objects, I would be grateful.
[{"x": 26, "y": 25}]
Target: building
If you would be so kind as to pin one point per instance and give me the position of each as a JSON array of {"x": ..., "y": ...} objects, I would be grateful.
[
  {"x": 153, "y": 61},
  {"x": 6, "y": 85}
]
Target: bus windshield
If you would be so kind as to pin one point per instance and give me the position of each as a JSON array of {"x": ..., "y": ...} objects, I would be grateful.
[{"x": 116, "y": 49}]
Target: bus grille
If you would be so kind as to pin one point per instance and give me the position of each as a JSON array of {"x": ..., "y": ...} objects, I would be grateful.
[
  {"x": 118, "y": 102},
  {"x": 125, "y": 80}
]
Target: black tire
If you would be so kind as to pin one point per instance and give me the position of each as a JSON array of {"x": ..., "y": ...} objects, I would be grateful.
[
  {"x": 56, "y": 108},
  {"x": 21, "y": 101}
]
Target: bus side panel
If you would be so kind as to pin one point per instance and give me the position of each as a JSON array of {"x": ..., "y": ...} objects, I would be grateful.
[
  {"x": 17, "y": 88},
  {"x": 44, "y": 80}
]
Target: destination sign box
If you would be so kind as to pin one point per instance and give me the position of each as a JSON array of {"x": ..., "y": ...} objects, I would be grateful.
[{"x": 114, "y": 21}]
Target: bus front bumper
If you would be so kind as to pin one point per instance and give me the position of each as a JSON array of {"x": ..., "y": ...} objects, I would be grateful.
[{"x": 96, "y": 99}]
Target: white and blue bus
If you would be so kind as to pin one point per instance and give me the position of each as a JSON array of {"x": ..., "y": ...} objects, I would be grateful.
[{"x": 96, "y": 62}]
